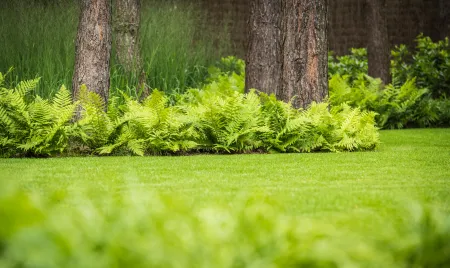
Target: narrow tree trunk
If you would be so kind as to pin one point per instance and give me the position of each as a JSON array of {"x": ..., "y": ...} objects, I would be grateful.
[
  {"x": 264, "y": 54},
  {"x": 126, "y": 30},
  {"x": 378, "y": 50},
  {"x": 93, "y": 47},
  {"x": 305, "y": 64}
]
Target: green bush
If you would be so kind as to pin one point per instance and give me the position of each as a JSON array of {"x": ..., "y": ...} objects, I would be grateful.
[
  {"x": 141, "y": 229},
  {"x": 396, "y": 107},
  {"x": 429, "y": 63},
  {"x": 351, "y": 65}
]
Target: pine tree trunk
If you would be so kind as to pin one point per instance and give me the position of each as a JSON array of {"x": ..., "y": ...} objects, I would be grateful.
[
  {"x": 378, "y": 49},
  {"x": 287, "y": 52},
  {"x": 126, "y": 34},
  {"x": 305, "y": 50},
  {"x": 93, "y": 48},
  {"x": 264, "y": 54}
]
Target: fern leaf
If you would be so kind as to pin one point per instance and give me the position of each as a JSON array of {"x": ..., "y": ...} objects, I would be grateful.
[{"x": 26, "y": 86}]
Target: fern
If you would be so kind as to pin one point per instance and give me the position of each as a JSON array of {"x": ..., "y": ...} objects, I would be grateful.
[
  {"x": 14, "y": 118},
  {"x": 230, "y": 123},
  {"x": 354, "y": 129},
  {"x": 32, "y": 125},
  {"x": 399, "y": 106},
  {"x": 217, "y": 118},
  {"x": 395, "y": 106},
  {"x": 317, "y": 128},
  {"x": 286, "y": 127},
  {"x": 152, "y": 127},
  {"x": 94, "y": 126},
  {"x": 50, "y": 124}
]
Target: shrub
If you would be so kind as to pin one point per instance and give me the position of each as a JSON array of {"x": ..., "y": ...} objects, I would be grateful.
[
  {"x": 396, "y": 106},
  {"x": 429, "y": 63},
  {"x": 351, "y": 65}
]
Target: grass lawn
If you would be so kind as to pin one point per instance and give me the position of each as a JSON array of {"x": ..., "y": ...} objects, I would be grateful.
[
  {"x": 408, "y": 165},
  {"x": 363, "y": 192}
]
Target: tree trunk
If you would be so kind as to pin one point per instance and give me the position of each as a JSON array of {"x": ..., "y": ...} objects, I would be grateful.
[
  {"x": 378, "y": 49},
  {"x": 264, "y": 53},
  {"x": 126, "y": 34},
  {"x": 305, "y": 50},
  {"x": 93, "y": 48},
  {"x": 287, "y": 52}
]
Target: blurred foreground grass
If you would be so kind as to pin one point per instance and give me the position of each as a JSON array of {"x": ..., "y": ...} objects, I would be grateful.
[{"x": 388, "y": 208}]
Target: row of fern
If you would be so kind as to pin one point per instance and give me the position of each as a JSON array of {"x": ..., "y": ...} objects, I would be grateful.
[{"x": 217, "y": 118}]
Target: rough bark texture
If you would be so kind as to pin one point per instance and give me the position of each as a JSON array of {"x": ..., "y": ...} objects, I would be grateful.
[
  {"x": 93, "y": 47},
  {"x": 263, "y": 61},
  {"x": 126, "y": 34},
  {"x": 378, "y": 48},
  {"x": 305, "y": 65}
]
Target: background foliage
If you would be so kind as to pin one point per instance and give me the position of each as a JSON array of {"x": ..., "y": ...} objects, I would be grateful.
[{"x": 429, "y": 63}]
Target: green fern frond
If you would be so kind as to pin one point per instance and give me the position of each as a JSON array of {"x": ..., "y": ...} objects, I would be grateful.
[
  {"x": 136, "y": 146},
  {"x": 26, "y": 86}
]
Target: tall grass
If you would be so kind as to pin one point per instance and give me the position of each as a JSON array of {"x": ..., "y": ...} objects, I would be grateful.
[
  {"x": 38, "y": 40},
  {"x": 176, "y": 48}
]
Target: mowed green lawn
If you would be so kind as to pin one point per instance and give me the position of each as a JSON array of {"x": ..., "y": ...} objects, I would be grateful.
[
  {"x": 409, "y": 165},
  {"x": 386, "y": 208}
]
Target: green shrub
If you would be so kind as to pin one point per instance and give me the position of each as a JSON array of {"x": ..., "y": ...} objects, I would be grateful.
[
  {"x": 141, "y": 229},
  {"x": 396, "y": 107},
  {"x": 429, "y": 63},
  {"x": 351, "y": 65}
]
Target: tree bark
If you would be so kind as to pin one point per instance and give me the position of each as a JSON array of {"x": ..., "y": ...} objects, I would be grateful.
[
  {"x": 93, "y": 48},
  {"x": 126, "y": 34},
  {"x": 378, "y": 49},
  {"x": 305, "y": 50},
  {"x": 287, "y": 52},
  {"x": 264, "y": 53}
]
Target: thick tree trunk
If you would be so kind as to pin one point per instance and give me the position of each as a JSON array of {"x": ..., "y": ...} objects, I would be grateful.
[
  {"x": 305, "y": 65},
  {"x": 93, "y": 48},
  {"x": 264, "y": 54},
  {"x": 378, "y": 49},
  {"x": 287, "y": 52},
  {"x": 126, "y": 34}
]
